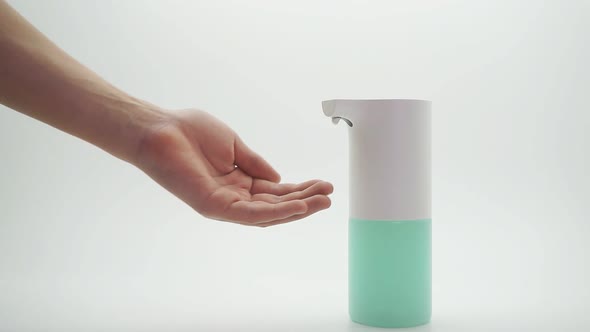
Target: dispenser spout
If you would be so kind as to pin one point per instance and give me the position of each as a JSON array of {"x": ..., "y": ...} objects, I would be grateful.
[{"x": 335, "y": 111}]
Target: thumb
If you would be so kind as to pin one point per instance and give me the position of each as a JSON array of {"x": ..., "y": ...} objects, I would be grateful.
[{"x": 252, "y": 163}]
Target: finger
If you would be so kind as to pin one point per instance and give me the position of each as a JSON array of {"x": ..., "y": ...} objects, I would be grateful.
[
  {"x": 318, "y": 188},
  {"x": 279, "y": 189},
  {"x": 314, "y": 204},
  {"x": 252, "y": 163},
  {"x": 269, "y": 198},
  {"x": 259, "y": 212}
]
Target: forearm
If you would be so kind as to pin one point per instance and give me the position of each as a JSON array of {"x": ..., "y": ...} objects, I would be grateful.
[{"x": 40, "y": 80}]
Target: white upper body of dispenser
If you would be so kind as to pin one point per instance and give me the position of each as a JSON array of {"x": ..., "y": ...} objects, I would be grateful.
[{"x": 389, "y": 143}]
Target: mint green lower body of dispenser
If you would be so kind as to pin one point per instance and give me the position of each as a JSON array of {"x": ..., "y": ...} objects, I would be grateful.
[{"x": 389, "y": 272}]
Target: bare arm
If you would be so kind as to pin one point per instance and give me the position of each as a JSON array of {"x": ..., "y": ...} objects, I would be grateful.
[
  {"x": 37, "y": 78},
  {"x": 190, "y": 153}
]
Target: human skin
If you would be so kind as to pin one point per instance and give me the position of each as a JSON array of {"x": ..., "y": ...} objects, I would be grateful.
[{"x": 189, "y": 152}]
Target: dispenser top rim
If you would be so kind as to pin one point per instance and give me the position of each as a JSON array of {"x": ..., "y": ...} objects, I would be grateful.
[
  {"x": 380, "y": 100},
  {"x": 351, "y": 109}
]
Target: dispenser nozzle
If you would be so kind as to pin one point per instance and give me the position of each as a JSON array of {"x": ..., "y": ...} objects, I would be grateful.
[
  {"x": 337, "y": 119},
  {"x": 331, "y": 110}
]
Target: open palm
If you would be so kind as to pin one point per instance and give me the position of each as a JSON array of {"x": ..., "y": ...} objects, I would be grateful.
[{"x": 205, "y": 163}]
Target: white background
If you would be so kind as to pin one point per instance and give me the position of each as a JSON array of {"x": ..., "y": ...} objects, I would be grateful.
[{"x": 87, "y": 242}]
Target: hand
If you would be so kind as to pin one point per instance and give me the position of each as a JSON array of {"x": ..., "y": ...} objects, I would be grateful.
[
  {"x": 204, "y": 163},
  {"x": 192, "y": 154}
]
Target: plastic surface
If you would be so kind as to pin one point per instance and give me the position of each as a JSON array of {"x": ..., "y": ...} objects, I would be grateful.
[
  {"x": 390, "y": 217},
  {"x": 390, "y": 272},
  {"x": 389, "y": 144}
]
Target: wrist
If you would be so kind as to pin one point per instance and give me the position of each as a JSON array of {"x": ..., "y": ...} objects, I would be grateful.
[{"x": 144, "y": 119}]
